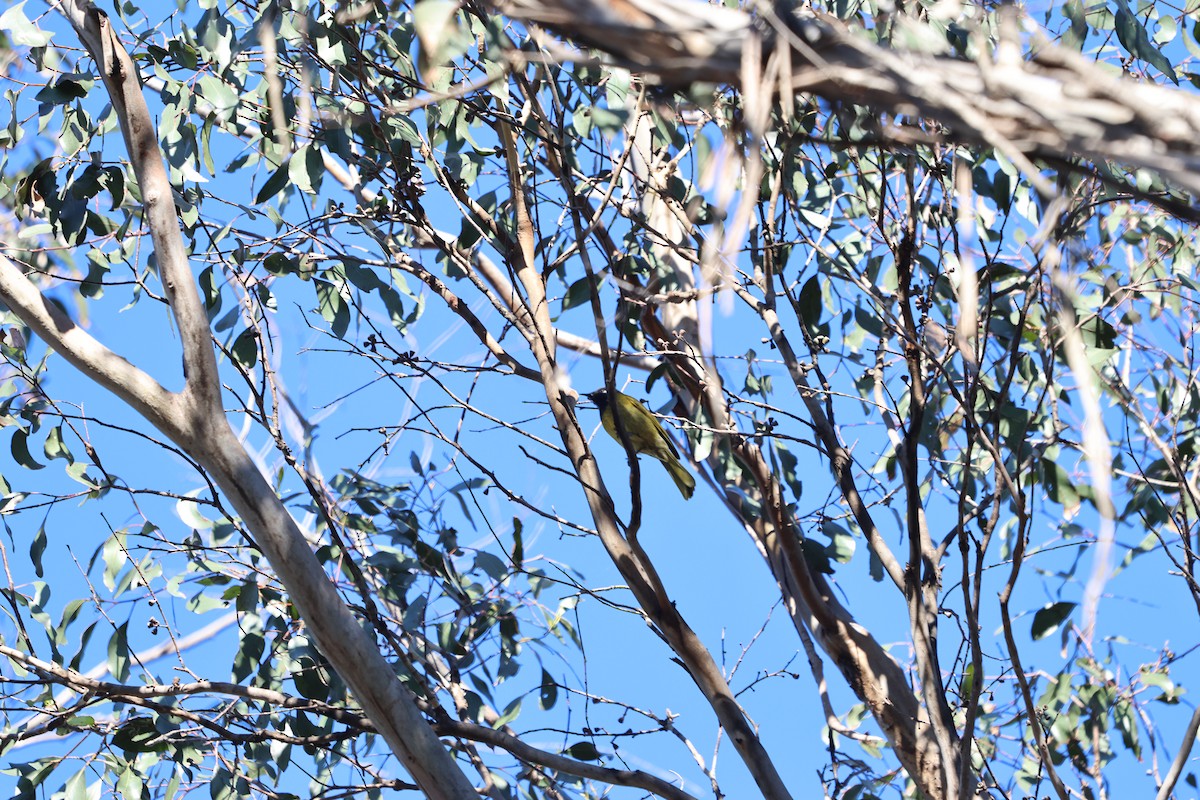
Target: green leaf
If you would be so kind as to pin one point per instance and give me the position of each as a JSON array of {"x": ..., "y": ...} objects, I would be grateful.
[
  {"x": 392, "y": 301},
  {"x": 790, "y": 469},
  {"x": 220, "y": 95},
  {"x": 210, "y": 291},
  {"x": 584, "y": 751},
  {"x": 137, "y": 735},
  {"x": 656, "y": 373},
  {"x": 305, "y": 169},
  {"x": 518, "y": 554},
  {"x": 279, "y": 264},
  {"x": 311, "y": 681},
  {"x": 548, "y": 695},
  {"x": 841, "y": 543},
  {"x": 21, "y": 31},
  {"x": 1049, "y": 617},
  {"x": 491, "y": 565},
  {"x": 249, "y": 654},
  {"x": 404, "y": 129},
  {"x": 69, "y": 615},
  {"x": 247, "y": 596},
  {"x": 1133, "y": 37},
  {"x": 36, "y": 548},
  {"x": 118, "y": 653},
  {"x": 189, "y": 514},
  {"x": 76, "y": 787},
  {"x": 511, "y": 712},
  {"x": 245, "y": 348},
  {"x": 609, "y": 121},
  {"x": 61, "y": 92},
  {"x": 809, "y": 304},
  {"x": 333, "y": 307},
  {"x": 330, "y": 48},
  {"x": 1098, "y": 333},
  {"x": 216, "y": 36},
  {"x": 274, "y": 185},
  {"x": 868, "y": 320},
  {"x": 93, "y": 285},
  {"x": 1126, "y": 722},
  {"x": 114, "y": 558},
  {"x": 33, "y": 775},
  {"x": 1076, "y": 35},
  {"x": 184, "y": 54},
  {"x": 967, "y": 685},
  {"x": 816, "y": 556},
  {"x": 364, "y": 279},
  {"x": 578, "y": 293},
  {"x": 20, "y": 450},
  {"x": 55, "y": 447},
  {"x": 115, "y": 181},
  {"x": 1059, "y": 486}
]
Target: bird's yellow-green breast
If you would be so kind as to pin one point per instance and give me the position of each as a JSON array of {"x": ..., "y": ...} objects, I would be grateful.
[{"x": 645, "y": 434}]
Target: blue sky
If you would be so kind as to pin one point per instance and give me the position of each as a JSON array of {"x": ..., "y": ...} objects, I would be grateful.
[{"x": 711, "y": 568}]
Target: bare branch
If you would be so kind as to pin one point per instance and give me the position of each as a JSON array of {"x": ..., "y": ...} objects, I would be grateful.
[
  {"x": 86, "y": 354},
  {"x": 141, "y": 138},
  {"x": 1185, "y": 749},
  {"x": 81, "y": 683}
]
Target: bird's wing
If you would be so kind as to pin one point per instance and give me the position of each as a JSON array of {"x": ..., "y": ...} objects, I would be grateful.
[{"x": 662, "y": 431}]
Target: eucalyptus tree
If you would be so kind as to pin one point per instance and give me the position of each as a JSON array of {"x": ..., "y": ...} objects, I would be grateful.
[{"x": 914, "y": 288}]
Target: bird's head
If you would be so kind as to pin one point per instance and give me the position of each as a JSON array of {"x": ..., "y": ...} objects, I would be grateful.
[{"x": 599, "y": 397}]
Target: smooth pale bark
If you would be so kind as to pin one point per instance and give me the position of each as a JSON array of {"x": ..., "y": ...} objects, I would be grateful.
[
  {"x": 1055, "y": 105},
  {"x": 194, "y": 419}
]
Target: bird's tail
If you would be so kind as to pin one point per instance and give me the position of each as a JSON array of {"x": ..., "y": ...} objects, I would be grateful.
[{"x": 683, "y": 479}]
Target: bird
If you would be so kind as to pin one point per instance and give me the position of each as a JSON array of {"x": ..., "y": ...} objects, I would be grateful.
[{"x": 645, "y": 434}]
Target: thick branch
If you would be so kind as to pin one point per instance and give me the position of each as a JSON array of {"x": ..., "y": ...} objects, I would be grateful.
[
  {"x": 871, "y": 672},
  {"x": 526, "y": 752},
  {"x": 196, "y": 422},
  {"x": 141, "y": 138},
  {"x": 1057, "y": 103},
  {"x": 77, "y": 346},
  {"x": 81, "y": 683},
  {"x": 1185, "y": 749}
]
